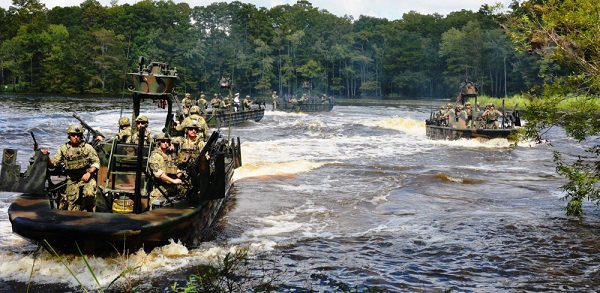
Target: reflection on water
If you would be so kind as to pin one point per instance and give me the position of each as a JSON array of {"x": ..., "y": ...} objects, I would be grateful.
[{"x": 356, "y": 196}]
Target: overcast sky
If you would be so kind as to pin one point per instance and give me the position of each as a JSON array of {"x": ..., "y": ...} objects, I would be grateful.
[{"x": 390, "y": 9}]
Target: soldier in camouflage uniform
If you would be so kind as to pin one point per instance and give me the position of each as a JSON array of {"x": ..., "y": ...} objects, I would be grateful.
[
  {"x": 81, "y": 163},
  {"x": 190, "y": 145},
  {"x": 246, "y": 104},
  {"x": 215, "y": 103},
  {"x": 124, "y": 129},
  {"x": 491, "y": 116},
  {"x": 163, "y": 168},
  {"x": 139, "y": 122},
  {"x": 202, "y": 104},
  {"x": 226, "y": 105},
  {"x": 196, "y": 118},
  {"x": 439, "y": 116},
  {"x": 186, "y": 103}
]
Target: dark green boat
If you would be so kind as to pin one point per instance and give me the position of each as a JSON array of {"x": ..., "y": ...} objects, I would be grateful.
[{"x": 123, "y": 220}]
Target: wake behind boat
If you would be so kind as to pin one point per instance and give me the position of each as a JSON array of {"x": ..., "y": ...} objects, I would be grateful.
[{"x": 125, "y": 218}]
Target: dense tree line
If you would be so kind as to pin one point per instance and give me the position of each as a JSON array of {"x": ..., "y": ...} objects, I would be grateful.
[{"x": 289, "y": 48}]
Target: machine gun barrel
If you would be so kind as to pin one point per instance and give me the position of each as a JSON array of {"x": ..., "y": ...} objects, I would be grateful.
[
  {"x": 91, "y": 130},
  {"x": 35, "y": 144}
]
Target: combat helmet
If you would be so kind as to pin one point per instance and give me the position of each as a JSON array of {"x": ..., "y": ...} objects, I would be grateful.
[
  {"x": 162, "y": 136},
  {"x": 74, "y": 129},
  {"x": 124, "y": 121},
  {"x": 195, "y": 110},
  {"x": 142, "y": 118}
]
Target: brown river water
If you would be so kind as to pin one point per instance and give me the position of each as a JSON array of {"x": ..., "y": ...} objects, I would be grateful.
[{"x": 356, "y": 196}]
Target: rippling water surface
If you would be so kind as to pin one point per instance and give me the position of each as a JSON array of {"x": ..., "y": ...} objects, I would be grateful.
[{"x": 356, "y": 196}]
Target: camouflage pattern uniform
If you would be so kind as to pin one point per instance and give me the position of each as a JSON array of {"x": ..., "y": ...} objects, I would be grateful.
[
  {"x": 187, "y": 101},
  {"x": 491, "y": 116},
  {"x": 159, "y": 164},
  {"x": 461, "y": 116},
  {"x": 124, "y": 130},
  {"x": 215, "y": 103},
  {"x": 202, "y": 104},
  {"x": 247, "y": 104},
  {"x": 76, "y": 161},
  {"x": 439, "y": 115},
  {"x": 134, "y": 136},
  {"x": 469, "y": 112},
  {"x": 197, "y": 119},
  {"x": 226, "y": 105}
]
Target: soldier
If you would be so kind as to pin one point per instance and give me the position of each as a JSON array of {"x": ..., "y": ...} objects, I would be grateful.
[
  {"x": 195, "y": 118},
  {"x": 449, "y": 116},
  {"x": 190, "y": 145},
  {"x": 81, "y": 163},
  {"x": 124, "y": 130},
  {"x": 461, "y": 117},
  {"x": 187, "y": 102},
  {"x": 491, "y": 116},
  {"x": 163, "y": 168},
  {"x": 247, "y": 104},
  {"x": 139, "y": 122},
  {"x": 202, "y": 104},
  {"x": 294, "y": 103},
  {"x": 275, "y": 98},
  {"x": 226, "y": 105},
  {"x": 215, "y": 103},
  {"x": 469, "y": 113},
  {"x": 439, "y": 116}
]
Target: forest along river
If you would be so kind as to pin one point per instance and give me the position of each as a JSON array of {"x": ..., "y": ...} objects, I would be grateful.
[{"x": 357, "y": 196}]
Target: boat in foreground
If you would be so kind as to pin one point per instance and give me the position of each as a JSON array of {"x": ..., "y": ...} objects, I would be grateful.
[{"x": 124, "y": 220}]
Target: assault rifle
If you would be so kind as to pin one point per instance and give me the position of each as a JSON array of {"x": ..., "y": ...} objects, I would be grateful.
[
  {"x": 195, "y": 171},
  {"x": 95, "y": 134}
]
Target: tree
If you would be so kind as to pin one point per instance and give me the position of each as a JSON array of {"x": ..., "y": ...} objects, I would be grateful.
[{"x": 566, "y": 32}]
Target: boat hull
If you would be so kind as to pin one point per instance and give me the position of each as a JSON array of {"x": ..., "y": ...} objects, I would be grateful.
[
  {"x": 33, "y": 218},
  {"x": 234, "y": 118},
  {"x": 449, "y": 133},
  {"x": 306, "y": 107}
]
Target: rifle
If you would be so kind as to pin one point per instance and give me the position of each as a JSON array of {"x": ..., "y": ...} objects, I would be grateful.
[
  {"x": 35, "y": 144},
  {"x": 91, "y": 130}
]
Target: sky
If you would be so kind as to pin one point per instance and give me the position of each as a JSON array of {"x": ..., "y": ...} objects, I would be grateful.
[{"x": 390, "y": 9}]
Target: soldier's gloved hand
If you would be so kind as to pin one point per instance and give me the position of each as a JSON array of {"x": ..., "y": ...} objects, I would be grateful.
[{"x": 177, "y": 181}]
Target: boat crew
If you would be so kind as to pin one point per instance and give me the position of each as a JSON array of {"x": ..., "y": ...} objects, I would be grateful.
[
  {"x": 140, "y": 121},
  {"x": 124, "y": 129},
  {"x": 187, "y": 101},
  {"x": 202, "y": 104},
  {"x": 215, "y": 103},
  {"x": 247, "y": 104},
  {"x": 491, "y": 116},
  {"x": 81, "y": 163},
  {"x": 163, "y": 168},
  {"x": 197, "y": 119}
]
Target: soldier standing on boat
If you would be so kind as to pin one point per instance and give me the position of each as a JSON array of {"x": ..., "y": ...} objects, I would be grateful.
[
  {"x": 124, "y": 130},
  {"x": 139, "y": 122},
  {"x": 163, "y": 168},
  {"x": 186, "y": 103},
  {"x": 236, "y": 102},
  {"x": 226, "y": 105},
  {"x": 491, "y": 116},
  {"x": 215, "y": 103},
  {"x": 449, "y": 116},
  {"x": 247, "y": 104},
  {"x": 439, "y": 116},
  {"x": 461, "y": 117},
  {"x": 469, "y": 113},
  {"x": 275, "y": 99},
  {"x": 81, "y": 163},
  {"x": 202, "y": 104}
]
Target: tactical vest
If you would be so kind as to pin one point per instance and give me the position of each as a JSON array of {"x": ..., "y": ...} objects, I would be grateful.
[
  {"x": 75, "y": 158},
  {"x": 491, "y": 116}
]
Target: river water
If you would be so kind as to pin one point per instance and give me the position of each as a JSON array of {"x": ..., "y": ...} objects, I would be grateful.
[{"x": 357, "y": 196}]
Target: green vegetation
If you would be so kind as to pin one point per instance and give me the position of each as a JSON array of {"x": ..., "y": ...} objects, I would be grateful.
[
  {"x": 565, "y": 33},
  {"x": 89, "y": 49}
]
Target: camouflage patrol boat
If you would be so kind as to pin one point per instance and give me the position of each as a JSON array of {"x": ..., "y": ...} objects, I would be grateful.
[
  {"x": 311, "y": 105},
  {"x": 123, "y": 220},
  {"x": 232, "y": 118},
  {"x": 452, "y": 127}
]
